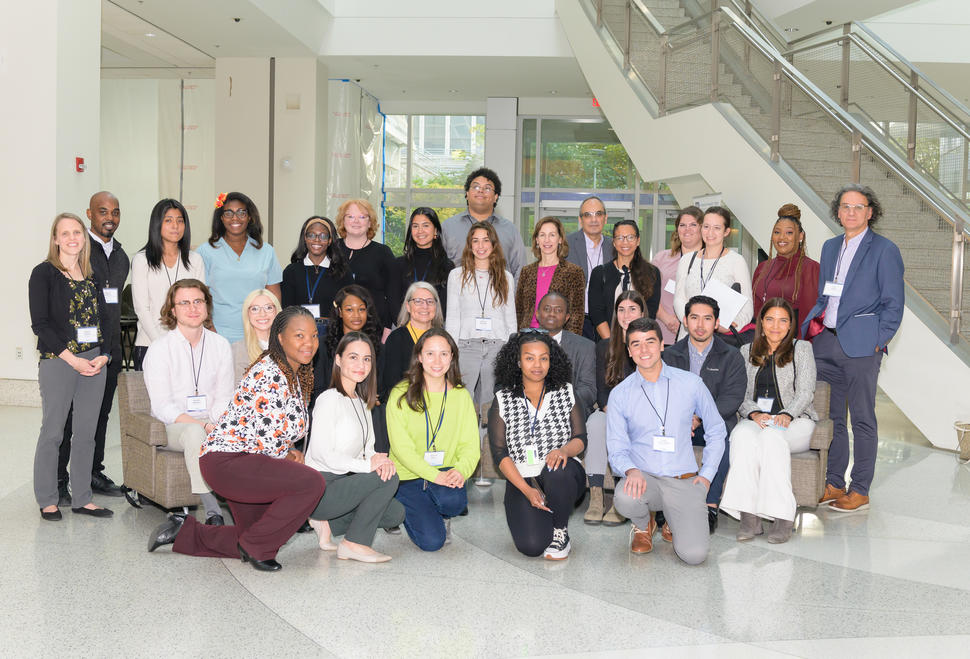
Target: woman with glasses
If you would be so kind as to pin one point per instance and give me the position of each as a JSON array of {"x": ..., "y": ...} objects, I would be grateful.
[
  {"x": 685, "y": 239},
  {"x": 424, "y": 256},
  {"x": 317, "y": 270},
  {"x": 552, "y": 272},
  {"x": 371, "y": 263},
  {"x": 420, "y": 312},
  {"x": 163, "y": 260},
  {"x": 629, "y": 270},
  {"x": 259, "y": 309},
  {"x": 237, "y": 261}
]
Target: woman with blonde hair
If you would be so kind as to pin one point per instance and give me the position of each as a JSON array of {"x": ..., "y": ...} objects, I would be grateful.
[
  {"x": 258, "y": 311},
  {"x": 552, "y": 272}
]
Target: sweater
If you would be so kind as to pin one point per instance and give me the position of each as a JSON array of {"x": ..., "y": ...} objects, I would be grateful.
[
  {"x": 419, "y": 268},
  {"x": 341, "y": 436},
  {"x": 465, "y": 305},
  {"x": 393, "y": 361},
  {"x": 372, "y": 266},
  {"x": 568, "y": 280},
  {"x": 293, "y": 288}
]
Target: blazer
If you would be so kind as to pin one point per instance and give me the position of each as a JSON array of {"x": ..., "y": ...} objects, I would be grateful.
[
  {"x": 567, "y": 280},
  {"x": 873, "y": 295},
  {"x": 796, "y": 383},
  {"x": 723, "y": 374},
  {"x": 577, "y": 251},
  {"x": 582, "y": 355}
]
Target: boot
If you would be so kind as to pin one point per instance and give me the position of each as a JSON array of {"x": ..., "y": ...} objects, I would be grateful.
[
  {"x": 750, "y": 527},
  {"x": 780, "y": 531},
  {"x": 613, "y": 518},
  {"x": 594, "y": 513}
]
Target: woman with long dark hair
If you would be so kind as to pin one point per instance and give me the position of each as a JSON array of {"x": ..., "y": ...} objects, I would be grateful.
[
  {"x": 424, "y": 257},
  {"x": 434, "y": 437},
  {"x": 317, "y": 269},
  {"x": 628, "y": 270},
  {"x": 353, "y": 310},
  {"x": 237, "y": 261},
  {"x": 685, "y": 239},
  {"x": 536, "y": 433},
  {"x": 777, "y": 419},
  {"x": 163, "y": 260}
]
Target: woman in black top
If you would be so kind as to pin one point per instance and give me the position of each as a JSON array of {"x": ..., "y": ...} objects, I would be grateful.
[
  {"x": 317, "y": 270},
  {"x": 371, "y": 263},
  {"x": 420, "y": 312},
  {"x": 628, "y": 270},
  {"x": 353, "y": 310},
  {"x": 424, "y": 256},
  {"x": 536, "y": 431},
  {"x": 74, "y": 340}
]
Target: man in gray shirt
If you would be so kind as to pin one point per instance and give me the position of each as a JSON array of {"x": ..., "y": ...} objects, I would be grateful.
[{"x": 482, "y": 190}]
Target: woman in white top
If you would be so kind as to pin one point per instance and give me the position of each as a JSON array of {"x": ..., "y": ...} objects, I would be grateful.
[
  {"x": 481, "y": 309},
  {"x": 258, "y": 312},
  {"x": 360, "y": 483},
  {"x": 714, "y": 262},
  {"x": 163, "y": 260}
]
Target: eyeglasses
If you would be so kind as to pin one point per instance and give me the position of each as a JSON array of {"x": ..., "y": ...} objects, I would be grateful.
[
  {"x": 632, "y": 238},
  {"x": 185, "y": 304},
  {"x": 482, "y": 188},
  {"x": 853, "y": 208},
  {"x": 318, "y": 237},
  {"x": 533, "y": 330},
  {"x": 266, "y": 308},
  {"x": 242, "y": 214},
  {"x": 423, "y": 301},
  {"x": 362, "y": 218},
  {"x": 589, "y": 215}
]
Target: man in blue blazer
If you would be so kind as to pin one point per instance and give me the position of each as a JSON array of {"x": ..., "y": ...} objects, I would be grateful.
[
  {"x": 859, "y": 308},
  {"x": 588, "y": 248}
]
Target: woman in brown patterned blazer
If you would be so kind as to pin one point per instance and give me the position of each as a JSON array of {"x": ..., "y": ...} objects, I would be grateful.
[{"x": 552, "y": 272}]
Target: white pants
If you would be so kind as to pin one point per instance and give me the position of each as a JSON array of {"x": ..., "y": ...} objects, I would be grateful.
[
  {"x": 759, "y": 481},
  {"x": 187, "y": 439}
]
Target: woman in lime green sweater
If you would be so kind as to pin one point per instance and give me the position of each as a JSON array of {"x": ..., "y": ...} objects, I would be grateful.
[{"x": 434, "y": 437}]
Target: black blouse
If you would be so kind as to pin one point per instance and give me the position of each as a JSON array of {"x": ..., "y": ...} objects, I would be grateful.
[
  {"x": 51, "y": 297},
  {"x": 602, "y": 292},
  {"x": 393, "y": 361},
  {"x": 372, "y": 266},
  {"x": 764, "y": 385},
  {"x": 420, "y": 268},
  {"x": 300, "y": 280}
]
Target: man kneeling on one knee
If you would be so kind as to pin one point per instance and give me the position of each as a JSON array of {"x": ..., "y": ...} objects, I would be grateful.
[
  {"x": 188, "y": 374},
  {"x": 648, "y": 438}
]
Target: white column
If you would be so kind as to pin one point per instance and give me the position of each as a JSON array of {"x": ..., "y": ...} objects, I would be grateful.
[{"x": 501, "y": 116}]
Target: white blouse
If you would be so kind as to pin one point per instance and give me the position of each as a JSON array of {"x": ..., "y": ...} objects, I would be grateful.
[
  {"x": 149, "y": 288},
  {"x": 341, "y": 436},
  {"x": 729, "y": 269}
]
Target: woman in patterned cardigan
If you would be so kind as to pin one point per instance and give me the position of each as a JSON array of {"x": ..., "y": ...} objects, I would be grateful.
[
  {"x": 552, "y": 272},
  {"x": 536, "y": 431},
  {"x": 249, "y": 457}
]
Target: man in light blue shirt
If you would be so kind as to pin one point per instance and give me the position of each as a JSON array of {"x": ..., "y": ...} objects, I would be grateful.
[{"x": 648, "y": 438}]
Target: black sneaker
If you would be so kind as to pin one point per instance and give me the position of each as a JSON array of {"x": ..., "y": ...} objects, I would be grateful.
[
  {"x": 712, "y": 519},
  {"x": 63, "y": 495},
  {"x": 558, "y": 549}
]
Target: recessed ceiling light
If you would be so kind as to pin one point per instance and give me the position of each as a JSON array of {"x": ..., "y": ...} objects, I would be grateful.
[
  {"x": 791, "y": 29},
  {"x": 149, "y": 34},
  {"x": 552, "y": 92},
  {"x": 452, "y": 91}
]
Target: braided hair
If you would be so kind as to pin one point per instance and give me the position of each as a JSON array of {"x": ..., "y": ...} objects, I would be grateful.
[
  {"x": 790, "y": 213},
  {"x": 303, "y": 377},
  {"x": 335, "y": 327}
]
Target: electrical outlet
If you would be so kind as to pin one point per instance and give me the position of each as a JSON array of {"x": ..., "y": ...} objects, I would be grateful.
[{"x": 19, "y": 352}]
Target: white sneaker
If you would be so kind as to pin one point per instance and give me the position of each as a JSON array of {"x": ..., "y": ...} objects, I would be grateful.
[
  {"x": 448, "y": 531},
  {"x": 558, "y": 549}
]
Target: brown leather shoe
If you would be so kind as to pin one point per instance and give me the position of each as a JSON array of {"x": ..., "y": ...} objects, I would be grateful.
[
  {"x": 831, "y": 494},
  {"x": 641, "y": 542},
  {"x": 665, "y": 533},
  {"x": 850, "y": 502}
]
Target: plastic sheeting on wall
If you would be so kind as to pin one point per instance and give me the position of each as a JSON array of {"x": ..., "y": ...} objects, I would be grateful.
[{"x": 355, "y": 135}]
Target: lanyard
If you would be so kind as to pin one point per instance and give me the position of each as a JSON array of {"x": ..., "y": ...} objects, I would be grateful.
[
  {"x": 478, "y": 292},
  {"x": 431, "y": 435},
  {"x": 838, "y": 263},
  {"x": 178, "y": 262},
  {"x": 711, "y": 273},
  {"x": 771, "y": 271},
  {"x": 423, "y": 277},
  {"x": 535, "y": 420},
  {"x": 589, "y": 263},
  {"x": 311, "y": 292},
  {"x": 415, "y": 335},
  {"x": 197, "y": 374},
  {"x": 364, "y": 430},
  {"x": 662, "y": 419}
]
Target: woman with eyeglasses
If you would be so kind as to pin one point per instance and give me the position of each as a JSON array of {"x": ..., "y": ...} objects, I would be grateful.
[
  {"x": 353, "y": 310},
  {"x": 371, "y": 263},
  {"x": 164, "y": 260},
  {"x": 629, "y": 270},
  {"x": 424, "y": 256},
  {"x": 259, "y": 309},
  {"x": 420, "y": 312},
  {"x": 237, "y": 261},
  {"x": 685, "y": 239},
  {"x": 317, "y": 270},
  {"x": 552, "y": 272}
]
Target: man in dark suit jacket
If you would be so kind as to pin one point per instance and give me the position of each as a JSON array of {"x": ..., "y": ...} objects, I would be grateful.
[
  {"x": 859, "y": 308},
  {"x": 588, "y": 248},
  {"x": 721, "y": 367},
  {"x": 553, "y": 314}
]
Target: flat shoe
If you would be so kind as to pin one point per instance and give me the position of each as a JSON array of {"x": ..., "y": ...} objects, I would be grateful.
[
  {"x": 269, "y": 565},
  {"x": 346, "y": 553},
  {"x": 93, "y": 512},
  {"x": 54, "y": 516},
  {"x": 326, "y": 545}
]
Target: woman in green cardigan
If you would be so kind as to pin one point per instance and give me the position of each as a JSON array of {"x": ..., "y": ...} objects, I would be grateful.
[{"x": 434, "y": 437}]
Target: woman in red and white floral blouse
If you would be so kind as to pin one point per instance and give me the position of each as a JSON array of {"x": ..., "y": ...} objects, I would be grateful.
[{"x": 249, "y": 457}]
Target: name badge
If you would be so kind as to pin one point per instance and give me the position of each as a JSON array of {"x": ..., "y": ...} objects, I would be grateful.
[
  {"x": 111, "y": 295},
  {"x": 195, "y": 403},
  {"x": 765, "y": 404},
  {"x": 435, "y": 458},
  {"x": 312, "y": 308},
  {"x": 531, "y": 455},
  {"x": 87, "y": 334},
  {"x": 671, "y": 286},
  {"x": 483, "y": 324},
  {"x": 832, "y": 289},
  {"x": 664, "y": 444}
]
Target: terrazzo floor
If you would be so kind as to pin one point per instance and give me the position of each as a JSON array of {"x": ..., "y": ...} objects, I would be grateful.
[{"x": 893, "y": 581}]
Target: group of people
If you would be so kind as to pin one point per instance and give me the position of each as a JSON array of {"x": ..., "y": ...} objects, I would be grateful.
[{"x": 348, "y": 390}]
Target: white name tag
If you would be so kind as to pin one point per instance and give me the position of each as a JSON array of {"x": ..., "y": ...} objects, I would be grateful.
[
  {"x": 312, "y": 308},
  {"x": 671, "y": 286},
  {"x": 531, "y": 455},
  {"x": 765, "y": 404},
  {"x": 195, "y": 403},
  {"x": 664, "y": 444},
  {"x": 87, "y": 334},
  {"x": 435, "y": 458},
  {"x": 111, "y": 295},
  {"x": 832, "y": 289},
  {"x": 483, "y": 324}
]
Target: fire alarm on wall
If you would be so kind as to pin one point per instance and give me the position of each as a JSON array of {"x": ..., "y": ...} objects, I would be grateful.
[{"x": 79, "y": 164}]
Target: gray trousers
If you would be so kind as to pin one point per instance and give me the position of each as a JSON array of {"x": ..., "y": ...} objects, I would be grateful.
[
  {"x": 60, "y": 387},
  {"x": 357, "y": 504},
  {"x": 476, "y": 360},
  {"x": 685, "y": 509}
]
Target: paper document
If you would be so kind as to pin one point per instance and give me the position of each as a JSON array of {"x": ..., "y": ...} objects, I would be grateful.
[{"x": 729, "y": 301}]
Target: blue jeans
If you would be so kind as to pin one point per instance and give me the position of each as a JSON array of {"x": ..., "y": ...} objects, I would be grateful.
[{"x": 426, "y": 506}]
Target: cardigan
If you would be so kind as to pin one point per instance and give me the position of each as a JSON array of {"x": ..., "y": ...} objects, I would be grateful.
[
  {"x": 730, "y": 269},
  {"x": 372, "y": 266},
  {"x": 602, "y": 292},
  {"x": 342, "y": 435},
  {"x": 465, "y": 305},
  {"x": 568, "y": 280},
  {"x": 149, "y": 287},
  {"x": 393, "y": 361},
  {"x": 50, "y": 294},
  {"x": 796, "y": 383},
  {"x": 776, "y": 278}
]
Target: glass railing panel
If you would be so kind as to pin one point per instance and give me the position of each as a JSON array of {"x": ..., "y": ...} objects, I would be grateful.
[
  {"x": 689, "y": 73},
  {"x": 938, "y": 152}
]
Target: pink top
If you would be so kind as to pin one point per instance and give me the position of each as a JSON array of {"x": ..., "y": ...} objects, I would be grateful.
[
  {"x": 543, "y": 281},
  {"x": 667, "y": 264}
]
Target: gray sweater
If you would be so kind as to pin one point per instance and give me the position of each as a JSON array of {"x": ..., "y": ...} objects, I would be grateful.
[{"x": 796, "y": 383}]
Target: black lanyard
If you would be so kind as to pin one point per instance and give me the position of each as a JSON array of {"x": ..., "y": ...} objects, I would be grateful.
[
  {"x": 311, "y": 292},
  {"x": 197, "y": 374},
  {"x": 362, "y": 421},
  {"x": 532, "y": 426},
  {"x": 429, "y": 434},
  {"x": 178, "y": 261},
  {"x": 478, "y": 292},
  {"x": 662, "y": 419},
  {"x": 711, "y": 273},
  {"x": 838, "y": 263}
]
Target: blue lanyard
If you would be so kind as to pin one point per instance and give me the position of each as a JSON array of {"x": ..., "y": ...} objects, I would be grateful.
[
  {"x": 431, "y": 435},
  {"x": 424, "y": 277},
  {"x": 535, "y": 420},
  {"x": 310, "y": 293}
]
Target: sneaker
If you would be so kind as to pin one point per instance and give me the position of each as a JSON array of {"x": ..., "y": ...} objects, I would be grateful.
[
  {"x": 558, "y": 549},
  {"x": 850, "y": 502},
  {"x": 448, "y": 531},
  {"x": 394, "y": 530}
]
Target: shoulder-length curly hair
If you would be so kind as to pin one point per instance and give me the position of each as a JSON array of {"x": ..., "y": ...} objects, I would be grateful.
[
  {"x": 303, "y": 376},
  {"x": 508, "y": 373},
  {"x": 414, "y": 394},
  {"x": 866, "y": 192},
  {"x": 496, "y": 263},
  {"x": 335, "y": 326}
]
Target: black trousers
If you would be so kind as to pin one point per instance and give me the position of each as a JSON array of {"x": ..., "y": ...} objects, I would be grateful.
[
  {"x": 64, "y": 456},
  {"x": 531, "y": 528}
]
